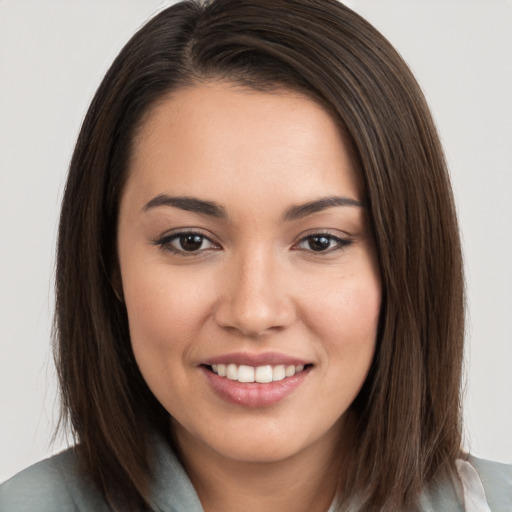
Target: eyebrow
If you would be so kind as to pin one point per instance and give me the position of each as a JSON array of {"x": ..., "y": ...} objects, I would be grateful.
[
  {"x": 212, "y": 209},
  {"x": 189, "y": 204},
  {"x": 303, "y": 210}
]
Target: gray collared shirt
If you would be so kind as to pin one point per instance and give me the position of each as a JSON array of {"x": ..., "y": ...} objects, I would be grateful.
[{"x": 57, "y": 485}]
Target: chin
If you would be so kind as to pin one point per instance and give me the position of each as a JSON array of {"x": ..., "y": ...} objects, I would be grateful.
[
  {"x": 259, "y": 450},
  {"x": 263, "y": 440}
]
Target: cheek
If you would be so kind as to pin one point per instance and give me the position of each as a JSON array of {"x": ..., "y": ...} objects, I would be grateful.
[
  {"x": 166, "y": 313},
  {"x": 165, "y": 310},
  {"x": 344, "y": 314},
  {"x": 347, "y": 309}
]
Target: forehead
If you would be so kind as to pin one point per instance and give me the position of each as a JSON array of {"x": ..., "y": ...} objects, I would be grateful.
[{"x": 222, "y": 139}]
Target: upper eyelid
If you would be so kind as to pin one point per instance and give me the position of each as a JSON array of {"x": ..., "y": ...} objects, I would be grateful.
[
  {"x": 342, "y": 241},
  {"x": 168, "y": 235},
  {"x": 165, "y": 243},
  {"x": 333, "y": 233},
  {"x": 326, "y": 234}
]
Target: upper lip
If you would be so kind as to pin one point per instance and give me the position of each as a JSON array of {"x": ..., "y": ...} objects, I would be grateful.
[{"x": 263, "y": 359}]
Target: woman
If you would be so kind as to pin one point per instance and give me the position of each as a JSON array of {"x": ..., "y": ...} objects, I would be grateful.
[{"x": 259, "y": 280}]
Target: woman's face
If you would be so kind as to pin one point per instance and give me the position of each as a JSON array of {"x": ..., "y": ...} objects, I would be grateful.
[{"x": 248, "y": 271}]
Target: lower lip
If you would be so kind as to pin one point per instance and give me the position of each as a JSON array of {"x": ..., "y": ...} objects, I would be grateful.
[{"x": 253, "y": 394}]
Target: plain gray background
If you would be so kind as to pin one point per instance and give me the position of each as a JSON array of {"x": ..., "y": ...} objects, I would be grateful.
[{"x": 52, "y": 56}]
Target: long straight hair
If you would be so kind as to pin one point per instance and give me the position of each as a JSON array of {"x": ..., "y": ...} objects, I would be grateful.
[{"x": 408, "y": 431}]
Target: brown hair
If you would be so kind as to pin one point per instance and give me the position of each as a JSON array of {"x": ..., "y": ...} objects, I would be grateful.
[{"x": 409, "y": 412}]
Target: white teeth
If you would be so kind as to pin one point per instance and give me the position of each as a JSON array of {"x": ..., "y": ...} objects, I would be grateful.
[
  {"x": 246, "y": 373},
  {"x": 263, "y": 374},
  {"x": 232, "y": 372},
  {"x": 290, "y": 371},
  {"x": 278, "y": 373},
  {"x": 260, "y": 374}
]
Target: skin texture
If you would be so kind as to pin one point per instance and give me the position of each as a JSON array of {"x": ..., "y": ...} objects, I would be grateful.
[{"x": 254, "y": 286}]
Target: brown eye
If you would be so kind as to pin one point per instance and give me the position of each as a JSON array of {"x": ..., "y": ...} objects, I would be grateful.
[
  {"x": 319, "y": 243},
  {"x": 322, "y": 243},
  {"x": 191, "y": 242},
  {"x": 187, "y": 243}
]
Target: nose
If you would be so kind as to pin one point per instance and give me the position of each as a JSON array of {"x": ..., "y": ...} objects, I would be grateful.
[{"x": 254, "y": 298}]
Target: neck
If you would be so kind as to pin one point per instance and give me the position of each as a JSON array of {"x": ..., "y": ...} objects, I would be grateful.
[{"x": 305, "y": 481}]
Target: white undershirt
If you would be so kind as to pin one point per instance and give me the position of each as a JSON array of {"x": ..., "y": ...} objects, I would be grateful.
[{"x": 474, "y": 494}]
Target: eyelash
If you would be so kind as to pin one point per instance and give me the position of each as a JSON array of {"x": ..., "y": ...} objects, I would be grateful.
[
  {"x": 165, "y": 243},
  {"x": 340, "y": 243}
]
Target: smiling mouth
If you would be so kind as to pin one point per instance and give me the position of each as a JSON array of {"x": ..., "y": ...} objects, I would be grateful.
[{"x": 259, "y": 374}]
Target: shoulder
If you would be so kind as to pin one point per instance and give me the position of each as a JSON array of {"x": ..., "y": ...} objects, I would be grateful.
[
  {"x": 481, "y": 485},
  {"x": 55, "y": 484},
  {"x": 496, "y": 479}
]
